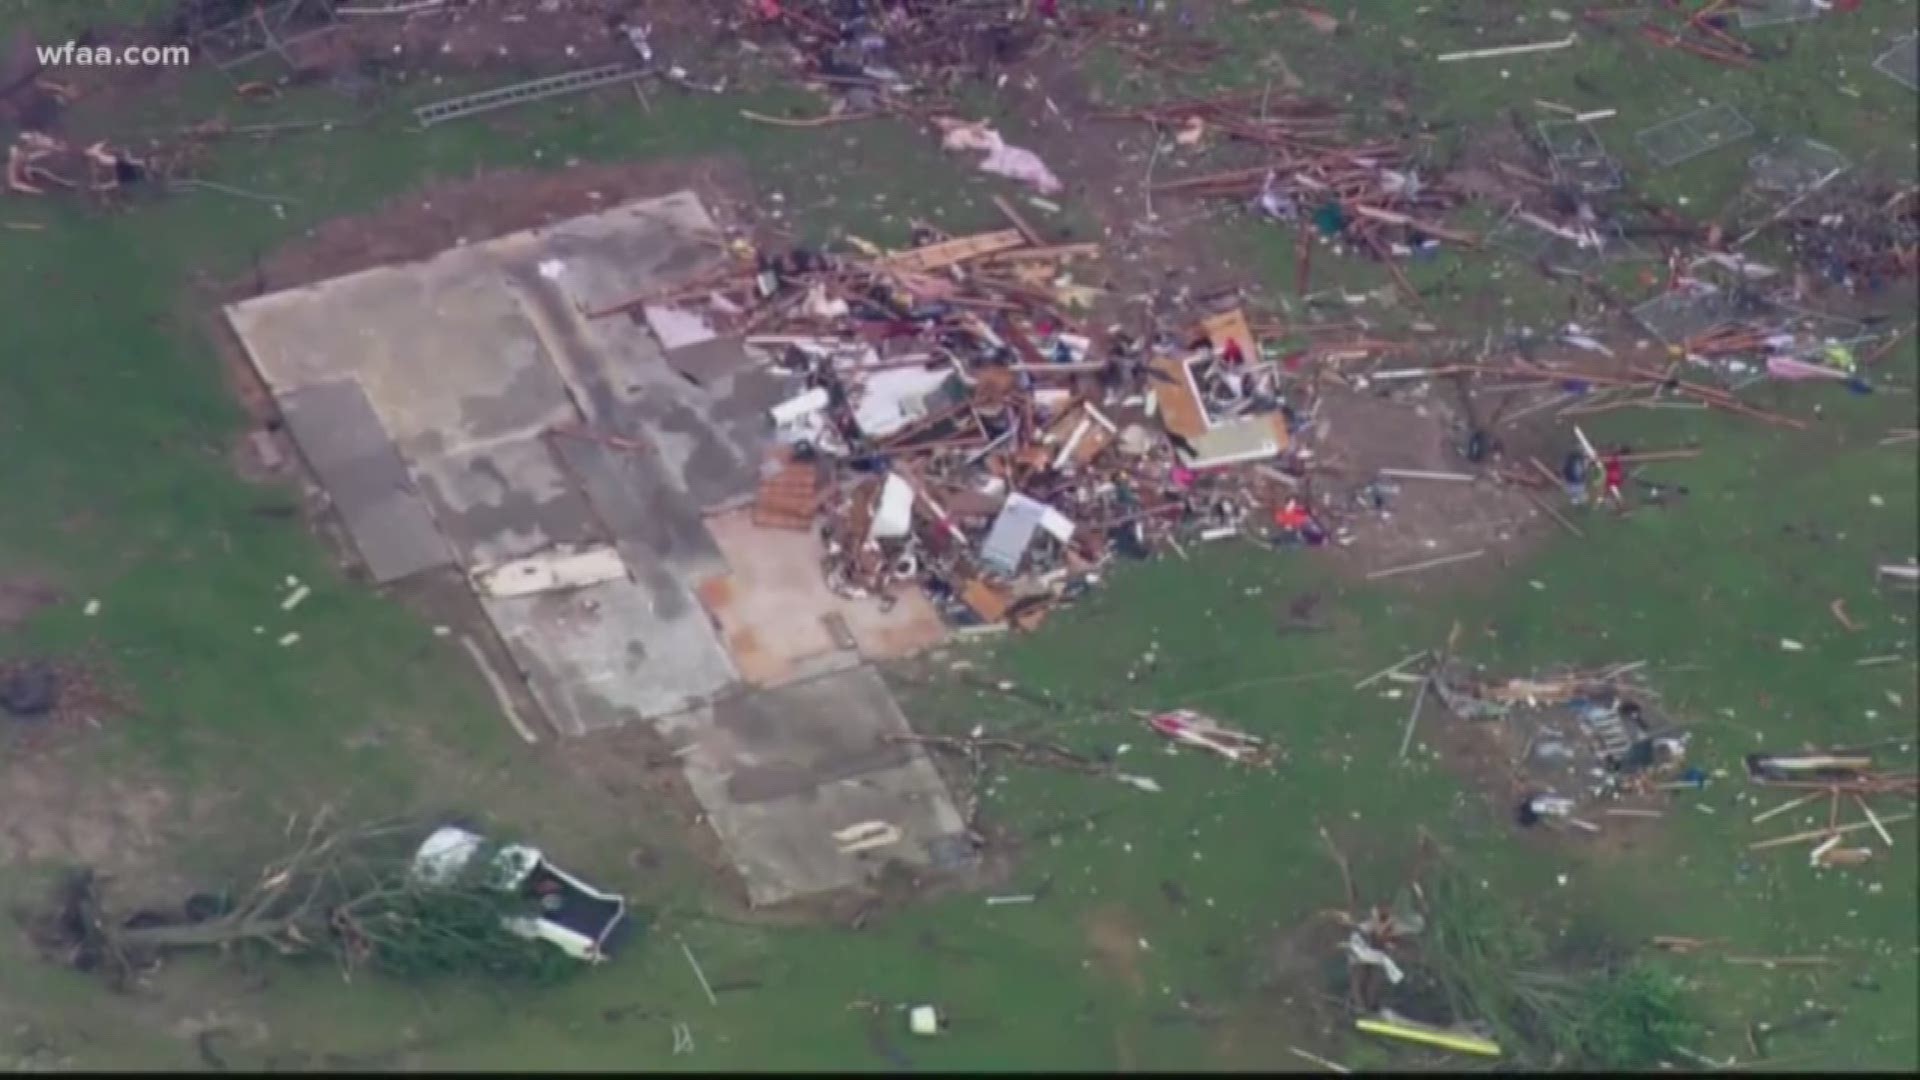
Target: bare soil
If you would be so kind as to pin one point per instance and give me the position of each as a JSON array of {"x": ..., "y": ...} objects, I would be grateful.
[
  {"x": 22, "y": 596},
  {"x": 1114, "y": 937},
  {"x": 1425, "y": 519},
  {"x": 494, "y": 204},
  {"x": 56, "y": 815},
  {"x": 55, "y": 807},
  {"x": 1484, "y": 754}
]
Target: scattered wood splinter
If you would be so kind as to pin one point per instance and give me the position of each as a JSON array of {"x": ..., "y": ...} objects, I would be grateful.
[{"x": 1839, "y": 609}]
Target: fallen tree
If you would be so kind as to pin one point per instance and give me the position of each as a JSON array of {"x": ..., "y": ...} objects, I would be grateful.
[{"x": 348, "y": 895}]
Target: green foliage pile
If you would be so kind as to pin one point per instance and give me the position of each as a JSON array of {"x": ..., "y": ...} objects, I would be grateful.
[{"x": 1493, "y": 967}]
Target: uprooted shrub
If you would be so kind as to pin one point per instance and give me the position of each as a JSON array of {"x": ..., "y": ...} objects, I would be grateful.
[
  {"x": 345, "y": 896},
  {"x": 1494, "y": 967}
]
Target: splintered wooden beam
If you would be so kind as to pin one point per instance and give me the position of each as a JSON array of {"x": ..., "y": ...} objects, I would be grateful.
[
  {"x": 1815, "y": 834},
  {"x": 1507, "y": 50},
  {"x": 1444, "y": 560},
  {"x": 1020, "y": 223},
  {"x": 1048, "y": 253},
  {"x": 952, "y": 252},
  {"x": 1394, "y": 217}
]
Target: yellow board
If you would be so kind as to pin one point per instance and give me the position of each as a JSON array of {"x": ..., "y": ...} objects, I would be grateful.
[
  {"x": 958, "y": 250},
  {"x": 1420, "y": 1033}
]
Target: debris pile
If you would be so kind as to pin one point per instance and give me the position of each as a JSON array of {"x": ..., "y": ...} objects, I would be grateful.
[
  {"x": 1188, "y": 728},
  {"x": 1789, "y": 349},
  {"x": 37, "y": 163},
  {"x": 1368, "y": 198},
  {"x": 878, "y": 53},
  {"x": 1852, "y": 777},
  {"x": 1585, "y": 738},
  {"x": 956, "y": 427},
  {"x": 1866, "y": 248},
  {"x": 1159, "y": 48}
]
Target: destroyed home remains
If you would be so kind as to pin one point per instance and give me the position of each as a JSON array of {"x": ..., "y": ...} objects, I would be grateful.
[{"x": 939, "y": 534}]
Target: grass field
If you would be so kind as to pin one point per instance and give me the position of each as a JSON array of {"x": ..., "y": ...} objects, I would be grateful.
[{"x": 1167, "y": 930}]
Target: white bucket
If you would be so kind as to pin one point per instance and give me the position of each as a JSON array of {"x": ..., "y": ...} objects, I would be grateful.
[{"x": 923, "y": 1020}]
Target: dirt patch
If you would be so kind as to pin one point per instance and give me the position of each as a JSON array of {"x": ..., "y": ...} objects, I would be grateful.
[
  {"x": 52, "y": 701},
  {"x": 1115, "y": 939},
  {"x": 51, "y": 813},
  {"x": 22, "y": 596},
  {"x": 259, "y": 456},
  {"x": 491, "y": 205},
  {"x": 52, "y": 807},
  {"x": 1423, "y": 519},
  {"x": 1170, "y": 257}
]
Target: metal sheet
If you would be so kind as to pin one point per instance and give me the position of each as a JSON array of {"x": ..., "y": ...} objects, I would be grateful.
[{"x": 1012, "y": 532}]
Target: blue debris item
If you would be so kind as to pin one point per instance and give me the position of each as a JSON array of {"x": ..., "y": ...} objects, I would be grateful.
[
  {"x": 1330, "y": 219},
  {"x": 1573, "y": 469}
]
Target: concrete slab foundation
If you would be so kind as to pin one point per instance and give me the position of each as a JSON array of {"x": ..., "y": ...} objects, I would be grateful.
[
  {"x": 449, "y": 408},
  {"x": 336, "y": 429},
  {"x": 779, "y": 772},
  {"x": 778, "y": 617},
  {"x": 612, "y": 653}
]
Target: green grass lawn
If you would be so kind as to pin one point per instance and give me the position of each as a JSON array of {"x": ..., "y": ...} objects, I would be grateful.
[{"x": 1158, "y": 940}]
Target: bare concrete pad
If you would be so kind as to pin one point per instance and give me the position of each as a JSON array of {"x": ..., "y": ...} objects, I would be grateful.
[
  {"x": 505, "y": 500},
  {"x": 369, "y": 485},
  {"x": 711, "y": 437},
  {"x": 641, "y": 506},
  {"x": 776, "y": 613},
  {"x": 443, "y": 353},
  {"x": 612, "y": 653},
  {"x": 468, "y": 359},
  {"x": 778, "y": 772}
]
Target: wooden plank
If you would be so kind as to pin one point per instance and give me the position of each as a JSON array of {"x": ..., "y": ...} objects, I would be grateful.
[
  {"x": 1815, "y": 834},
  {"x": 1021, "y": 224},
  {"x": 1444, "y": 560},
  {"x": 952, "y": 252},
  {"x": 1050, "y": 253},
  {"x": 1422, "y": 474},
  {"x": 1394, "y": 217},
  {"x": 1180, "y": 409}
]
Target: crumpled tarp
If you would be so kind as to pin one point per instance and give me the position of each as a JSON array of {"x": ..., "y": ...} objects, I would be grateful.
[{"x": 1012, "y": 162}]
